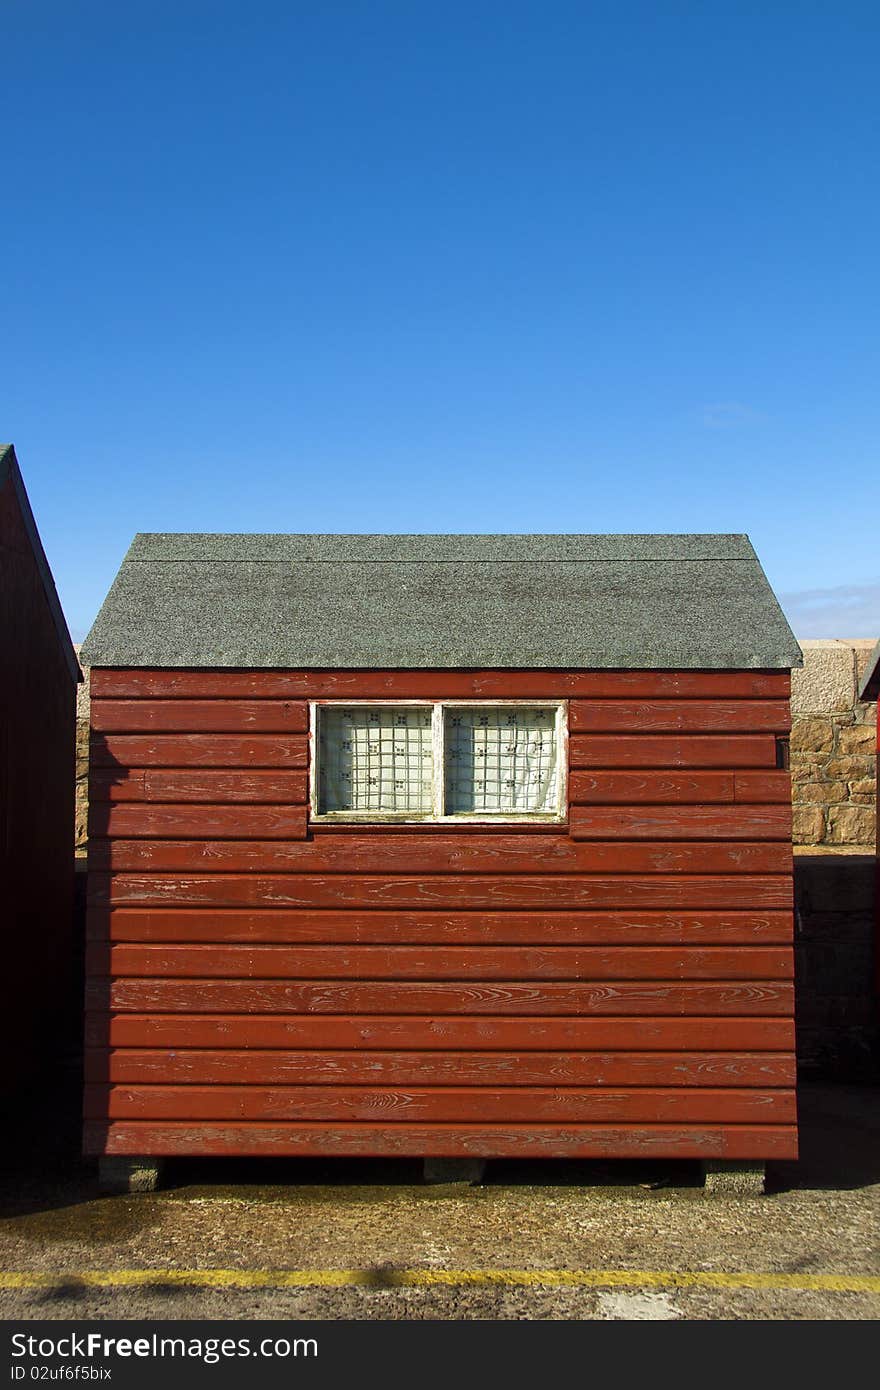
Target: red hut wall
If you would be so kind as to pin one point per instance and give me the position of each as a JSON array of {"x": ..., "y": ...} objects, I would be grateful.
[{"x": 619, "y": 986}]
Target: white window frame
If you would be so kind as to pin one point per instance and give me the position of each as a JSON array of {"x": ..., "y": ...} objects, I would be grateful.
[{"x": 436, "y": 815}]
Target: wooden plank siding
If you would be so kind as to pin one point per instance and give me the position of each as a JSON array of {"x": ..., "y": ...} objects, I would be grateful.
[
  {"x": 725, "y": 1142},
  {"x": 440, "y": 962},
  {"x": 567, "y": 1036},
  {"x": 144, "y": 1066},
  {"x": 619, "y": 985}
]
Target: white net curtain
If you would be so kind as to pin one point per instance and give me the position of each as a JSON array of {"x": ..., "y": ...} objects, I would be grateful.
[
  {"x": 379, "y": 759},
  {"x": 496, "y": 759},
  {"x": 500, "y": 759}
]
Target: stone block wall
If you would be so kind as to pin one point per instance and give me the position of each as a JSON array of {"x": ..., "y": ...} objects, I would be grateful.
[{"x": 833, "y": 747}]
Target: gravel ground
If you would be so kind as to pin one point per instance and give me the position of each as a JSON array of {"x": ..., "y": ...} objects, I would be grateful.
[{"x": 820, "y": 1216}]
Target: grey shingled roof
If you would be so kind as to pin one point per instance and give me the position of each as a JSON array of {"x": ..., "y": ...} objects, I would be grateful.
[
  {"x": 9, "y": 469},
  {"x": 441, "y": 601}
]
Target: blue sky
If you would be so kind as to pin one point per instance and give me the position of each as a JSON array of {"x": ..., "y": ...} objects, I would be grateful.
[{"x": 392, "y": 265}]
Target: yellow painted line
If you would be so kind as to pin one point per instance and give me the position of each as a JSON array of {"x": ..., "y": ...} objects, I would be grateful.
[{"x": 385, "y": 1278}]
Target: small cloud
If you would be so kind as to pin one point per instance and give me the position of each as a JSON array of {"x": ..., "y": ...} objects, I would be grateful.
[
  {"x": 728, "y": 415},
  {"x": 849, "y": 610}
]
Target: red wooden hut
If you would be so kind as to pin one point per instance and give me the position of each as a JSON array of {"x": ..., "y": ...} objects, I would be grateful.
[
  {"x": 37, "y": 750},
  {"x": 445, "y": 846}
]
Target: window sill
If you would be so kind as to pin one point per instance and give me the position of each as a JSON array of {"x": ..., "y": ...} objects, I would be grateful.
[{"x": 477, "y": 819}]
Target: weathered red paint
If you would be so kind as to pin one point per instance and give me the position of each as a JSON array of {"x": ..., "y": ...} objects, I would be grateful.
[
  {"x": 411, "y": 1068},
  {"x": 339, "y": 851},
  {"x": 110, "y": 684},
  {"x": 450, "y": 928},
  {"x": 559, "y": 1140},
  {"x": 252, "y": 980},
  {"x": 567, "y": 1036},
  {"x": 447, "y": 1104},
  {"x": 439, "y": 962}
]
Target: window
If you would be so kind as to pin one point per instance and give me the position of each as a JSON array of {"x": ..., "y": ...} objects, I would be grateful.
[{"x": 444, "y": 761}]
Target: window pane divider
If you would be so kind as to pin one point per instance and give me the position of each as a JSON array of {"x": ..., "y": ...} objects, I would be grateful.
[{"x": 437, "y": 740}]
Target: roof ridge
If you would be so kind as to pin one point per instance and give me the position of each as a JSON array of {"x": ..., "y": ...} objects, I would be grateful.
[{"x": 454, "y": 560}]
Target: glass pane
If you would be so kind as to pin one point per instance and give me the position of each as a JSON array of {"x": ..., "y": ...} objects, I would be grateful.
[
  {"x": 378, "y": 759},
  {"x": 501, "y": 759}
]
